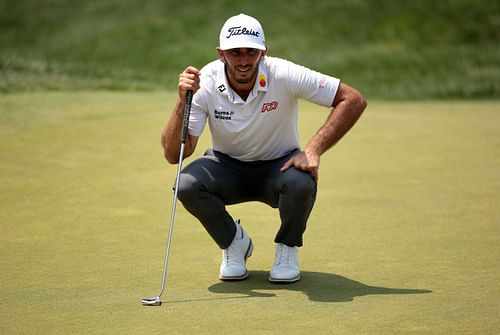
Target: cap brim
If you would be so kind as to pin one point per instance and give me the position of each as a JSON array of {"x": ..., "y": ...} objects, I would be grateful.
[{"x": 229, "y": 46}]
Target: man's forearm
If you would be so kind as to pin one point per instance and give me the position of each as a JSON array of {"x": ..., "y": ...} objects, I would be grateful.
[
  {"x": 341, "y": 119},
  {"x": 171, "y": 135}
]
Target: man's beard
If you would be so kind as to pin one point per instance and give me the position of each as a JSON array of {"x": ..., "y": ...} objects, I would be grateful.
[{"x": 233, "y": 73}]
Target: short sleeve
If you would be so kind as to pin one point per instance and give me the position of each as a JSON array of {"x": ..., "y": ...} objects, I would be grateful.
[
  {"x": 311, "y": 85},
  {"x": 198, "y": 116}
]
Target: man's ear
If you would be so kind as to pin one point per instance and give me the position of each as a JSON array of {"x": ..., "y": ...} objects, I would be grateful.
[
  {"x": 220, "y": 53},
  {"x": 264, "y": 53}
]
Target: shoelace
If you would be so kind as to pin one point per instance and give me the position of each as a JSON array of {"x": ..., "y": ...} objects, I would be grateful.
[
  {"x": 281, "y": 254},
  {"x": 229, "y": 256}
]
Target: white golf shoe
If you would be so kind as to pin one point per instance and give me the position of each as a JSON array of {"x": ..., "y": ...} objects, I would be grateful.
[
  {"x": 233, "y": 266},
  {"x": 286, "y": 265}
]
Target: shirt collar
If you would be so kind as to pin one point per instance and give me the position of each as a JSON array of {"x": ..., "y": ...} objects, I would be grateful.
[{"x": 261, "y": 83}]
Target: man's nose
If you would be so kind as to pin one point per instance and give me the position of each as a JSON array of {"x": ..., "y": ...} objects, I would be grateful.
[{"x": 244, "y": 60}]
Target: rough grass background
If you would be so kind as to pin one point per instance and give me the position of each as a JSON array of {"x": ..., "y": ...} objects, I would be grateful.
[{"x": 410, "y": 49}]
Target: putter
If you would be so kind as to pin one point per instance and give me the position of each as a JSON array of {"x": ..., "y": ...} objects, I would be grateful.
[{"x": 156, "y": 301}]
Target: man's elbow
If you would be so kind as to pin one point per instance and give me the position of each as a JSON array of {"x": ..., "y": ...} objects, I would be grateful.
[
  {"x": 362, "y": 104},
  {"x": 173, "y": 156},
  {"x": 352, "y": 98},
  {"x": 169, "y": 156},
  {"x": 171, "y": 159},
  {"x": 359, "y": 103}
]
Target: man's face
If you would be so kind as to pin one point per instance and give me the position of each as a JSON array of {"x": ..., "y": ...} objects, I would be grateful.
[{"x": 242, "y": 64}]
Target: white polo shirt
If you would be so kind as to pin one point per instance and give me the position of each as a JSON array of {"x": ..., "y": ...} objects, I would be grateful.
[{"x": 263, "y": 127}]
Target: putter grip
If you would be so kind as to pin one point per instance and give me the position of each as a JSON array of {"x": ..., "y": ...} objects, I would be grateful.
[{"x": 187, "y": 111}]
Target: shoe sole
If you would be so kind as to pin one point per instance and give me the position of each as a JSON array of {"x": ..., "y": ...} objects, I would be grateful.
[
  {"x": 284, "y": 280},
  {"x": 235, "y": 278},
  {"x": 245, "y": 275}
]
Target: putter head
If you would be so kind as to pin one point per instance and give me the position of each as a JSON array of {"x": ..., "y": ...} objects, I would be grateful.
[{"x": 151, "y": 301}]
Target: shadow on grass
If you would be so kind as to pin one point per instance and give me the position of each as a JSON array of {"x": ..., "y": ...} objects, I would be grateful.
[{"x": 318, "y": 286}]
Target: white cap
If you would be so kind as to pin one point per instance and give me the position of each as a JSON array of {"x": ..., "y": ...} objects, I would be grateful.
[{"x": 242, "y": 31}]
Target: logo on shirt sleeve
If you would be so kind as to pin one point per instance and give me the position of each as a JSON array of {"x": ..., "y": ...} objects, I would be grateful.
[{"x": 322, "y": 82}]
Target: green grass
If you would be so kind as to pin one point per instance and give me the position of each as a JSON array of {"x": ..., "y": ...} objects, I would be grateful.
[
  {"x": 392, "y": 50},
  {"x": 403, "y": 238}
]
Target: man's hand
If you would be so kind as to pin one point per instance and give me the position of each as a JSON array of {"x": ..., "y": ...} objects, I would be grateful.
[
  {"x": 304, "y": 161},
  {"x": 347, "y": 107},
  {"x": 189, "y": 79}
]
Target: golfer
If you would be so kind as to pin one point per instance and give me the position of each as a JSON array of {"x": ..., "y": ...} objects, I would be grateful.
[{"x": 250, "y": 101}]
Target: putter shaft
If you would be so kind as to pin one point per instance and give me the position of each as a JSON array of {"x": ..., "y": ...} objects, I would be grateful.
[{"x": 187, "y": 110}]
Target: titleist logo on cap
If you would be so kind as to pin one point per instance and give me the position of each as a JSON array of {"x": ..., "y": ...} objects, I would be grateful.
[{"x": 235, "y": 31}]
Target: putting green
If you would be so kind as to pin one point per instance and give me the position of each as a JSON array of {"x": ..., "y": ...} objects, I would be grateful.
[{"x": 404, "y": 237}]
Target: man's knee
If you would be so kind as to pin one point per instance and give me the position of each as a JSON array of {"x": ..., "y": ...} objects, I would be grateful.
[
  {"x": 299, "y": 183},
  {"x": 194, "y": 180},
  {"x": 189, "y": 187}
]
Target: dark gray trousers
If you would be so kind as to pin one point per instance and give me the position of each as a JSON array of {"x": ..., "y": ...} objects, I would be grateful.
[{"x": 215, "y": 180}]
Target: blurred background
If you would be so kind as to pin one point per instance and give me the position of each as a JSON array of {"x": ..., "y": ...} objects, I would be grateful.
[{"x": 388, "y": 49}]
